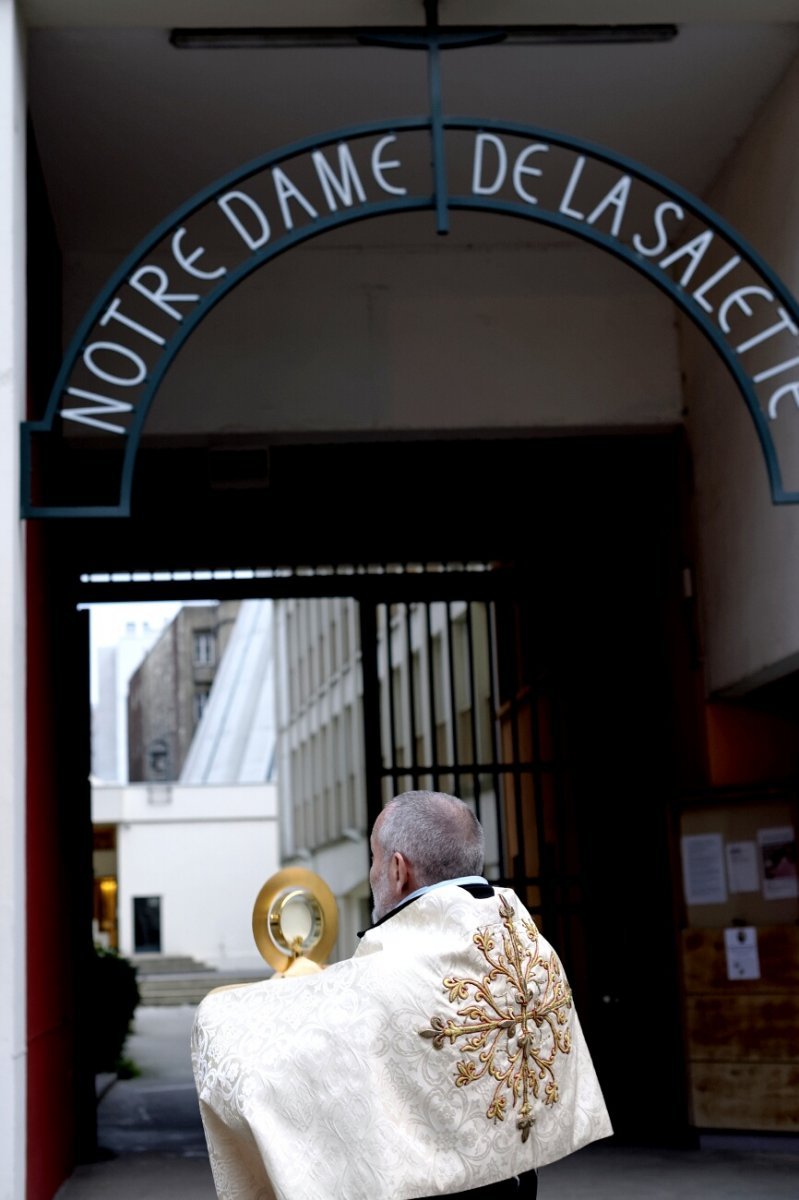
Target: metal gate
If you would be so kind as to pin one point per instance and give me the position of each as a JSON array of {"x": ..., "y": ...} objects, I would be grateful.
[
  {"x": 456, "y": 693},
  {"x": 480, "y": 681},
  {"x": 459, "y": 696}
]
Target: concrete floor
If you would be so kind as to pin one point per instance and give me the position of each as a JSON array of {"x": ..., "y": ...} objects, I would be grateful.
[
  {"x": 624, "y": 1173},
  {"x": 150, "y": 1127}
]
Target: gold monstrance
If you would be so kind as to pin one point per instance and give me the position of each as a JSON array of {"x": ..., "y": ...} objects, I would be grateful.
[{"x": 295, "y": 921}]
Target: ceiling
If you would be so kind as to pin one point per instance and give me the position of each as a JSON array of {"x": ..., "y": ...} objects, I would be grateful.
[
  {"x": 128, "y": 127},
  {"x": 131, "y": 13}
]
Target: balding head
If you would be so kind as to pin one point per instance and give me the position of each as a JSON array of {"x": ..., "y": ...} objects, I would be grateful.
[
  {"x": 438, "y": 834},
  {"x": 422, "y": 838}
]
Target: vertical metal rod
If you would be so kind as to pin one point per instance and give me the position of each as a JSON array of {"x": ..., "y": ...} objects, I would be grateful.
[
  {"x": 342, "y": 756},
  {"x": 392, "y": 716},
  {"x": 520, "y": 873},
  {"x": 547, "y": 882},
  {"x": 561, "y": 818},
  {"x": 436, "y": 116},
  {"x": 473, "y": 710},
  {"x": 373, "y": 760},
  {"x": 493, "y": 686},
  {"x": 453, "y": 705},
  {"x": 414, "y": 762},
  {"x": 437, "y": 138},
  {"x": 431, "y": 691}
]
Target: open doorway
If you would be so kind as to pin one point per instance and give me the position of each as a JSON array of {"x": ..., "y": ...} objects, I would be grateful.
[{"x": 576, "y": 612}]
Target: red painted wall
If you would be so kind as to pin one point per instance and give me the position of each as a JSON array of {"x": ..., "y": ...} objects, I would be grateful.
[
  {"x": 50, "y": 1023},
  {"x": 60, "y": 1100}
]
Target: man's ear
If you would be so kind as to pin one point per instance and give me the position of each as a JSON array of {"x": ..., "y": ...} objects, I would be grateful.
[{"x": 400, "y": 871}]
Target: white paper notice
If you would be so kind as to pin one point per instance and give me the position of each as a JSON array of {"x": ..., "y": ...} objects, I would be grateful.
[
  {"x": 703, "y": 868},
  {"x": 743, "y": 960},
  {"x": 778, "y": 853},
  {"x": 742, "y": 872}
]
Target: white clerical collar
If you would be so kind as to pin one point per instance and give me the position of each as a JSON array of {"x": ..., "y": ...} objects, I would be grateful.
[
  {"x": 431, "y": 887},
  {"x": 462, "y": 881}
]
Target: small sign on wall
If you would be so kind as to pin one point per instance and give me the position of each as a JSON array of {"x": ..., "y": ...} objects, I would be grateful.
[
  {"x": 743, "y": 959},
  {"x": 742, "y": 872},
  {"x": 703, "y": 868},
  {"x": 778, "y": 850}
]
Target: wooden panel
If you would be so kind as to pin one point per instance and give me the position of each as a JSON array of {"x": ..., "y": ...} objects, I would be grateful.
[
  {"x": 741, "y": 1028},
  {"x": 705, "y": 964},
  {"x": 745, "y": 1096},
  {"x": 743, "y": 1035}
]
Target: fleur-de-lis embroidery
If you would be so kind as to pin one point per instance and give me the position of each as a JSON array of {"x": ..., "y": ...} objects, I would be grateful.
[{"x": 513, "y": 1040}]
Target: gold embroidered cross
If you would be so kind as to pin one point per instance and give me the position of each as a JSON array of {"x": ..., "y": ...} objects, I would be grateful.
[{"x": 514, "y": 1040}]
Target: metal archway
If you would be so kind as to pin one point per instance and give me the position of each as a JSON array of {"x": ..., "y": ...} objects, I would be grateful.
[{"x": 357, "y": 174}]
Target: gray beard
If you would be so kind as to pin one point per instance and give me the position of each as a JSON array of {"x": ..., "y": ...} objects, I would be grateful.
[{"x": 381, "y": 906}]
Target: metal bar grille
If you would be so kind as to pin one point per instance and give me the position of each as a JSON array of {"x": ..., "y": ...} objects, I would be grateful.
[{"x": 467, "y": 698}]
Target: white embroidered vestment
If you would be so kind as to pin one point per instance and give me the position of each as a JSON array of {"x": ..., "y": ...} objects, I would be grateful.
[{"x": 446, "y": 1054}]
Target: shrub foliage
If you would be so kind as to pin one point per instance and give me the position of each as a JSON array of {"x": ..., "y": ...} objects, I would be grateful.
[{"x": 115, "y": 995}]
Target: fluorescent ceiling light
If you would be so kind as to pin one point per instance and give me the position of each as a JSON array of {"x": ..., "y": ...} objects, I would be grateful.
[{"x": 520, "y": 35}]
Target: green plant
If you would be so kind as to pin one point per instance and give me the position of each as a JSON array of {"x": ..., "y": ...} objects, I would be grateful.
[
  {"x": 114, "y": 996},
  {"x": 127, "y": 1068}
]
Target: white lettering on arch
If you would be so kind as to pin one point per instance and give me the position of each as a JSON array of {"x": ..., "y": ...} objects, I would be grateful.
[
  {"x": 616, "y": 199},
  {"x": 251, "y": 208},
  {"x": 788, "y": 389},
  {"x": 520, "y": 168},
  {"x": 112, "y": 313},
  {"x": 784, "y": 323},
  {"x": 160, "y": 296},
  {"x": 479, "y": 188},
  {"x": 253, "y": 239},
  {"x": 571, "y": 187},
  {"x": 342, "y": 185},
  {"x": 187, "y": 261},
  {"x": 285, "y": 191},
  {"x": 738, "y": 299},
  {"x": 694, "y": 251},
  {"x": 380, "y": 166},
  {"x": 140, "y": 366},
  {"x": 100, "y": 405},
  {"x": 663, "y": 237}
]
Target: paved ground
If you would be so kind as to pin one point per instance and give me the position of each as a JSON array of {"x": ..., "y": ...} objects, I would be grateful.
[
  {"x": 622, "y": 1173},
  {"x": 152, "y": 1128}
]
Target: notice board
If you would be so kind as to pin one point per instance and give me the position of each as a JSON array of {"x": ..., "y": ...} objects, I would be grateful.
[{"x": 739, "y": 863}]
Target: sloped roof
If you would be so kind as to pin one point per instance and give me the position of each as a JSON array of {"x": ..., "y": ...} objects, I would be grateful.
[{"x": 235, "y": 739}]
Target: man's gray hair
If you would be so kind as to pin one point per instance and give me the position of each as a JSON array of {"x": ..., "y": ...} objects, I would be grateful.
[{"x": 437, "y": 833}]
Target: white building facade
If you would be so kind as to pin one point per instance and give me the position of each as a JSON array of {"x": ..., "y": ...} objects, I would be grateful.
[
  {"x": 178, "y": 863},
  {"x": 195, "y": 858},
  {"x": 319, "y": 698}
]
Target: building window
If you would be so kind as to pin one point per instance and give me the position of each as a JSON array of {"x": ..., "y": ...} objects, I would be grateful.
[
  {"x": 204, "y": 648},
  {"x": 200, "y": 700},
  {"x": 158, "y": 756},
  {"x": 147, "y": 924}
]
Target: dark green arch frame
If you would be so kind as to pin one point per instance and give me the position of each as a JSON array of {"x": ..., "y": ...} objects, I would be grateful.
[{"x": 438, "y": 201}]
